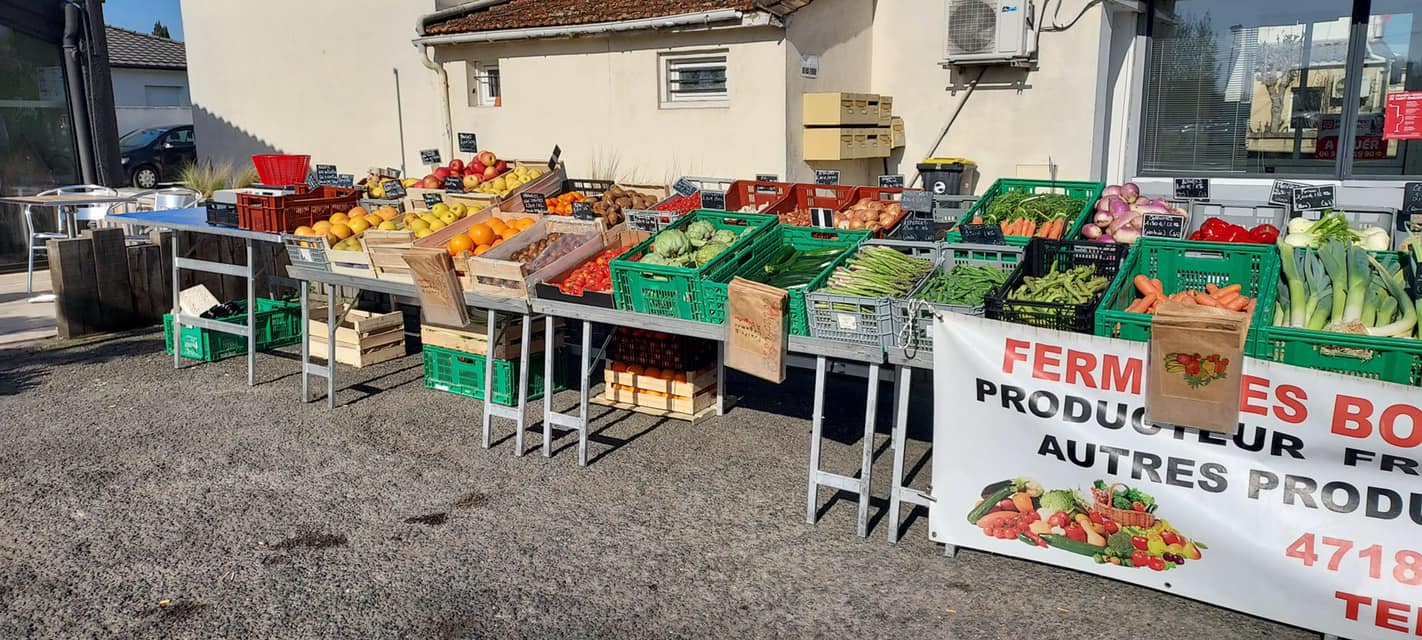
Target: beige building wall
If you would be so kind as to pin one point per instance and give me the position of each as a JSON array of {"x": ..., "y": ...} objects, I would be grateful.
[
  {"x": 310, "y": 76},
  {"x": 598, "y": 98},
  {"x": 840, "y": 32},
  {"x": 1016, "y": 123}
]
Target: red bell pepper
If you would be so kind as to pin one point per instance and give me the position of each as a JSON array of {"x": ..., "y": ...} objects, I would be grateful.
[{"x": 1264, "y": 234}]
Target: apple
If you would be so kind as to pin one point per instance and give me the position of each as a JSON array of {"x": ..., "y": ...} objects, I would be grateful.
[
  {"x": 475, "y": 166},
  {"x": 501, "y": 166},
  {"x": 441, "y": 173},
  {"x": 431, "y": 182},
  {"x": 487, "y": 158},
  {"x": 456, "y": 165},
  {"x": 471, "y": 181},
  {"x": 429, "y": 177},
  {"x": 490, "y": 173}
]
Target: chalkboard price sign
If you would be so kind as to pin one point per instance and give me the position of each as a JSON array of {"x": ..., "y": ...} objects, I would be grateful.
[
  {"x": 393, "y": 189},
  {"x": 894, "y": 181},
  {"x": 1412, "y": 198},
  {"x": 432, "y": 198},
  {"x": 713, "y": 200},
  {"x": 1192, "y": 188},
  {"x": 916, "y": 229},
  {"x": 345, "y": 180},
  {"x": 468, "y": 143},
  {"x": 823, "y": 176},
  {"x": 982, "y": 234},
  {"x": 684, "y": 187},
  {"x": 1163, "y": 225},
  {"x": 1283, "y": 192},
  {"x": 326, "y": 174},
  {"x": 583, "y": 211},
  {"x": 917, "y": 201},
  {"x": 766, "y": 177},
  {"x": 553, "y": 159},
  {"x": 1313, "y": 197},
  {"x": 454, "y": 184},
  {"x": 429, "y": 156},
  {"x": 641, "y": 220},
  {"x": 822, "y": 217},
  {"x": 534, "y": 203}
]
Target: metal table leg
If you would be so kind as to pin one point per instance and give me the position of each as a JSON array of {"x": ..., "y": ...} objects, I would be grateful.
[
  {"x": 585, "y": 368},
  {"x": 523, "y": 377},
  {"x": 569, "y": 421},
  {"x": 547, "y": 387},
  {"x": 492, "y": 317},
  {"x": 866, "y": 463},
  {"x": 331, "y": 322},
  {"x": 859, "y": 486},
  {"x": 177, "y": 311},
  {"x": 251, "y": 318},
  {"x": 305, "y": 344},
  {"x": 721, "y": 379},
  {"x": 816, "y": 431}
]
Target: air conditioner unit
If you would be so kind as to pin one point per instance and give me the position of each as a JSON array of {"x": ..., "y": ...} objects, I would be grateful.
[{"x": 987, "y": 32}]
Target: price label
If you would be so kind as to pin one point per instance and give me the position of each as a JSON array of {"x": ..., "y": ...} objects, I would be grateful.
[
  {"x": 766, "y": 177},
  {"x": 468, "y": 143},
  {"x": 1163, "y": 225},
  {"x": 1283, "y": 192},
  {"x": 917, "y": 201},
  {"x": 326, "y": 174},
  {"x": 1410, "y": 217},
  {"x": 713, "y": 200},
  {"x": 393, "y": 189},
  {"x": 306, "y": 252},
  {"x": 893, "y": 181},
  {"x": 583, "y": 211},
  {"x": 345, "y": 180},
  {"x": 982, "y": 234},
  {"x": 454, "y": 184},
  {"x": 534, "y": 203},
  {"x": 822, "y": 217},
  {"x": 916, "y": 229},
  {"x": 684, "y": 187},
  {"x": 1192, "y": 188},
  {"x": 432, "y": 198},
  {"x": 553, "y": 159},
  {"x": 1313, "y": 197},
  {"x": 649, "y": 221},
  {"x": 429, "y": 156},
  {"x": 823, "y": 176}
]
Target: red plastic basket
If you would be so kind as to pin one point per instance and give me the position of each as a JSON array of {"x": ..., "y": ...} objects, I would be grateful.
[
  {"x": 277, "y": 169},
  {"x": 753, "y": 193},
  {"x": 283, "y": 214}
]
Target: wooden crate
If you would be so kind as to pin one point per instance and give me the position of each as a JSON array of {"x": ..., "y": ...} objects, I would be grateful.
[
  {"x": 689, "y": 400},
  {"x": 383, "y": 249},
  {"x": 415, "y": 199},
  {"x": 496, "y": 274},
  {"x": 473, "y": 338},
  {"x": 362, "y": 339},
  {"x": 438, "y": 239}
]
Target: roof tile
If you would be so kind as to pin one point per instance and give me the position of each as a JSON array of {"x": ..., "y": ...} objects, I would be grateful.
[
  {"x": 522, "y": 14},
  {"x": 133, "y": 49}
]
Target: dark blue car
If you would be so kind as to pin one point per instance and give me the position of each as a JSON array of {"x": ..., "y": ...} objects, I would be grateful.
[{"x": 156, "y": 154}]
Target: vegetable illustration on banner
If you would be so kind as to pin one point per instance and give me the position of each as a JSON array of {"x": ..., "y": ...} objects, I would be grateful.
[{"x": 1197, "y": 371}]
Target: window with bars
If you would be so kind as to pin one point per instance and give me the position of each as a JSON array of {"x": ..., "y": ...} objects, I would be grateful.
[
  {"x": 694, "y": 79},
  {"x": 484, "y": 85}
]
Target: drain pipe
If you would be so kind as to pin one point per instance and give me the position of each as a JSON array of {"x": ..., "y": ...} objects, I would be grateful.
[
  {"x": 79, "y": 98},
  {"x": 426, "y": 53}
]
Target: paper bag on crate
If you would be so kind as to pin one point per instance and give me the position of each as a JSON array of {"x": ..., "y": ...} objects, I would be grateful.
[
  {"x": 1195, "y": 358},
  {"x": 757, "y": 315},
  {"x": 441, "y": 299}
]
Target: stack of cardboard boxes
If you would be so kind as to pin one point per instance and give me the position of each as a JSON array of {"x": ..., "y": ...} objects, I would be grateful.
[{"x": 847, "y": 126}]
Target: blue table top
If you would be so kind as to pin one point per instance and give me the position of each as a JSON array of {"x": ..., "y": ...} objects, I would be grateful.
[{"x": 194, "y": 220}]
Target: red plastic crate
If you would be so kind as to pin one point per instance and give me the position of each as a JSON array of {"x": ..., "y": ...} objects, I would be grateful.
[
  {"x": 812, "y": 196},
  {"x": 279, "y": 170},
  {"x": 283, "y": 214},
  {"x": 759, "y": 195},
  {"x": 883, "y": 194}
]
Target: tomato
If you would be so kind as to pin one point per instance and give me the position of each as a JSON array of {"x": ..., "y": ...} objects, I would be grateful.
[
  {"x": 1111, "y": 527},
  {"x": 1097, "y": 517},
  {"x": 1059, "y": 519},
  {"x": 1137, "y": 506},
  {"x": 1139, "y": 558},
  {"x": 1140, "y": 543},
  {"x": 1169, "y": 537},
  {"x": 1157, "y": 564}
]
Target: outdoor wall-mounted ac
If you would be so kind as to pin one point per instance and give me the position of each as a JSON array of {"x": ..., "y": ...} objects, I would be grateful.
[{"x": 987, "y": 32}]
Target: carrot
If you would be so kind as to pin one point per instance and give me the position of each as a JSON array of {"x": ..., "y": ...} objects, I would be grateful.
[
  {"x": 1158, "y": 284},
  {"x": 1187, "y": 300},
  {"x": 1249, "y": 308},
  {"x": 1238, "y": 303},
  {"x": 1226, "y": 298},
  {"x": 1234, "y": 288},
  {"x": 977, "y": 219},
  {"x": 1212, "y": 288},
  {"x": 1145, "y": 286},
  {"x": 1004, "y": 226},
  {"x": 1207, "y": 300},
  {"x": 1139, "y": 306}
]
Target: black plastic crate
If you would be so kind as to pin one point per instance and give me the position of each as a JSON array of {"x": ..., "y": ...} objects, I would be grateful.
[
  {"x": 220, "y": 214},
  {"x": 1039, "y": 259}
]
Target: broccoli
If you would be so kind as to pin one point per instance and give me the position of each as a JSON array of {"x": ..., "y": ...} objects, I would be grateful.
[
  {"x": 1059, "y": 500},
  {"x": 1120, "y": 542}
]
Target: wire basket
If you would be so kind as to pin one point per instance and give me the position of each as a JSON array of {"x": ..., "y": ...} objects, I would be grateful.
[
  {"x": 277, "y": 169},
  {"x": 1126, "y": 517}
]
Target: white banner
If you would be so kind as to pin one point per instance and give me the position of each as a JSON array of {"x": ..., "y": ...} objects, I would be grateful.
[{"x": 1311, "y": 514}]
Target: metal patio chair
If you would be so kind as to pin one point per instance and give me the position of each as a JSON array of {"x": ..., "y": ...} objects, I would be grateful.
[{"x": 37, "y": 238}]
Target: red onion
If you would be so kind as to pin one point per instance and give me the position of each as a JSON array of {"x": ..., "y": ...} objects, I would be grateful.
[
  {"x": 1120, "y": 208},
  {"x": 1104, "y": 238},
  {"x": 1091, "y": 232},
  {"x": 1160, "y": 202},
  {"x": 1150, "y": 208},
  {"x": 1113, "y": 190},
  {"x": 1102, "y": 219},
  {"x": 1130, "y": 192},
  {"x": 1104, "y": 204}
]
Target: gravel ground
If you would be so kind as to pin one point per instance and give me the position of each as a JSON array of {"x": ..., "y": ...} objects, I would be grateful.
[{"x": 140, "y": 502}]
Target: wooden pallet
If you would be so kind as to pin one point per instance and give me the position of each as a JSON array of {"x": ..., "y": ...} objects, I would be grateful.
[
  {"x": 362, "y": 339},
  {"x": 473, "y": 338},
  {"x": 689, "y": 400},
  {"x": 709, "y": 410}
]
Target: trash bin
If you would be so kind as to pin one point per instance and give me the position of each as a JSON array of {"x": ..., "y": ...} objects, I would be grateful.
[{"x": 945, "y": 176}]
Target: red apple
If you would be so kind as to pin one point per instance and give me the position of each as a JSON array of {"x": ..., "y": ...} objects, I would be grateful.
[
  {"x": 487, "y": 158},
  {"x": 501, "y": 166},
  {"x": 490, "y": 173},
  {"x": 441, "y": 173},
  {"x": 456, "y": 165},
  {"x": 431, "y": 182},
  {"x": 475, "y": 167},
  {"x": 471, "y": 181}
]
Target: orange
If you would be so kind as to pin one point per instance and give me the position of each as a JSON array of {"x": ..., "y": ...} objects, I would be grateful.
[
  {"x": 619, "y": 367},
  {"x": 387, "y": 213},
  {"x": 652, "y": 372},
  {"x": 304, "y": 230},
  {"x": 523, "y": 223},
  {"x": 497, "y": 242},
  {"x": 479, "y": 250},
  {"x": 679, "y": 376},
  {"x": 459, "y": 244},
  {"x": 358, "y": 225},
  {"x": 340, "y": 231},
  {"x": 339, "y": 218},
  {"x": 481, "y": 234},
  {"x": 635, "y": 369},
  {"x": 357, "y": 212},
  {"x": 497, "y": 225},
  {"x": 320, "y": 228},
  {"x": 509, "y": 232}
]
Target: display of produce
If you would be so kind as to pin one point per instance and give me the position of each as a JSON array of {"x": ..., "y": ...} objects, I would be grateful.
[
  {"x": 867, "y": 213},
  {"x": 1120, "y": 214},
  {"x": 1076, "y": 285},
  {"x": 562, "y": 205},
  {"x": 1344, "y": 288},
  {"x": 548, "y": 249},
  {"x": 964, "y": 285},
  {"x": 678, "y": 203},
  {"x": 593, "y": 275},
  {"x": 1220, "y": 230},
  {"x": 1153, "y": 293},
  {"x": 486, "y": 235},
  {"x": 697, "y": 246},
  {"x": 1021, "y": 213},
  {"x": 1333, "y": 226},
  {"x": 877, "y": 272},
  {"x": 610, "y": 205},
  {"x": 791, "y": 267},
  {"x": 343, "y": 230}
]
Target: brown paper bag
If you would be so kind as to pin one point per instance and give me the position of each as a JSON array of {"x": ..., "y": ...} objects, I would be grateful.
[
  {"x": 441, "y": 299},
  {"x": 1193, "y": 376},
  {"x": 759, "y": 321}
]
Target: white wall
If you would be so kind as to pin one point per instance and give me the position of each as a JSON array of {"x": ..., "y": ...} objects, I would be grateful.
[
  {"x": 840, "y": 33},
  {"x": 315, "y": 76},
  {"x": 131, "y": 102},
  {"x": 598, "y": 98},
  {"x": 1046, "y": 115},
  {"x": 132, "y": 118}
]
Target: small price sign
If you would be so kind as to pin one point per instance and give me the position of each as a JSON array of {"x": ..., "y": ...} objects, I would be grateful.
[
  {"x": 534, "y": 203},
  {"x": 583, "y": 211},
  {"x": 684, "y": 187},
  {"x": 713, "y": 200},
  {"x": 766, "y": 177},
  {"x": 345, "y": 180},
  {"x": 982, "y": 234},
  {"x": 1313, "y": 197},
  {"x": 826, "y": 176},
  {"x": 1283, "y": 192},
  {"x": 553, "y": 159},
  {"x": 1163, "y": 225},
  {"x": 468, "y": 143},
  {"x": 432, "y": 198},
  {"x": 393, "y": 189},
  {"x": 822, "y": 217},
  {"x": 429, "y": 156},
  {"x": 917, "y": 201},
  {"x": 649, "y": 221},
  {"x": 1410, "y": 217},
  {"x": 916, "y": 229},
  {"x": 1192, "y": 188},
  {"x": 893, "y": 181},
  {"x": 326, "y": 174},
  {"x": 454, "y": 184}
]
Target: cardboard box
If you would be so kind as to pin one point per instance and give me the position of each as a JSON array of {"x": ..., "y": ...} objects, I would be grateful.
[
  {"x": 834, "y": 143},
  {"x": 834, "y": 109},
  {"x": 886, "y": 110},
  {"x": 898, "y": 137}
]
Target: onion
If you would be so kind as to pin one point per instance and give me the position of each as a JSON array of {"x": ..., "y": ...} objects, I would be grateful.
[
  {"x": 1102, "y": 219},
  {"x": 1120, "y": 208},
  {"x": 1091, "y": 231},
  {"x": 856, "y": 224},
  {"x": 1103, "y": 204},
  {"x": 1113, "y": 190},
  {"x": 1127, "y": 236},
  {"x": 886, "y": 219},
  {"x": 1130, "y": 192},
  {"x": 1119, "y": 223}
]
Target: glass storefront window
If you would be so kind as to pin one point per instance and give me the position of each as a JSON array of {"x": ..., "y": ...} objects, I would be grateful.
[
  {"x": 36, "y": 135},
  {"x": 1393, "y": 65}
]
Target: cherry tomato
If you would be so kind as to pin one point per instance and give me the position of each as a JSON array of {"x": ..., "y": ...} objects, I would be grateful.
[
  {"x": 1139, "y": 558},
  {"x": 1111, "y": 527},
  {"x": 1157, "y": 563},
  {"x": 1138, "y": 506},
  {"x": 1140, "y": 543}
]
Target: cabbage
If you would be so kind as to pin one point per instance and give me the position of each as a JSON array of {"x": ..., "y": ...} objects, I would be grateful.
[
  {"x": 699, "y": 232},
  {"x": 1059, "y": 500},
  {"x": 672, "y": 243}
]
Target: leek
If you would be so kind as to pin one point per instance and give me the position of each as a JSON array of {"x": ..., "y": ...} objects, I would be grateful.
[
  {"x": 1386, "y": 310},
  {"x": 1295, "y": 284},
  {"x": 1318, "y": 318},
  {"x": 1281, "y": 306},
  {"x": 1403, "y": 325},
  {"x": 1370, "y": 302},
  {"x": 1335, "y": 261},
  {"x": 1316, "y": 279},
  {"x": 1358, "y": 276}
]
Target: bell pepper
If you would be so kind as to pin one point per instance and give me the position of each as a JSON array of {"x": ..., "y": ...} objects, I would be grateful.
[
  {"x": 1264, "y": 234},
  {"x": 1235, "y": 233}
]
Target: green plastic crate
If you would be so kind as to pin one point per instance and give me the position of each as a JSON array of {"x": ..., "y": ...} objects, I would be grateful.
[
  {"x": 675, "y": 292},
  {"x": 1396, "y": 360},
  {"x": 713, "y": 288},
  {"x": 462, "y": 374},
  {"x": 1186, "y": 264},
  {"x": 278, "y": 325},
  {"x": 1088, "y": 191},
  {"x": 913, "y": 318},
  {"x": 858, "y": 319}
]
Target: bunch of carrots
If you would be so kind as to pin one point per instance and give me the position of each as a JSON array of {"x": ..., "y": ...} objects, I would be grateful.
[
  {"x": 1153, "y": 293},
  {"x": 1051, "y": 229}
]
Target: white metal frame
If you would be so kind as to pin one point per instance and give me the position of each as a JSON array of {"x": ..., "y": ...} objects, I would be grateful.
[{"x": 671, "y": 63}]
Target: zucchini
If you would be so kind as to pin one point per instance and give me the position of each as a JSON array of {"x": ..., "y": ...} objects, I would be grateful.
[
  {"x": 996, "y": 486},
  {"x": 1067, "y": 544},
  {"x": 989, "y": 502}
]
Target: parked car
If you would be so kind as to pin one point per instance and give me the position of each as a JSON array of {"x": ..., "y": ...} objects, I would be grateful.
[{"x": 157, "y": 154}]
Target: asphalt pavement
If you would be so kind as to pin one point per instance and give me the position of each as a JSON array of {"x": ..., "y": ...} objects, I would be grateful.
[{"x": 141, "y": 502}]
